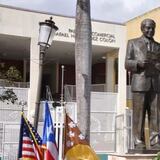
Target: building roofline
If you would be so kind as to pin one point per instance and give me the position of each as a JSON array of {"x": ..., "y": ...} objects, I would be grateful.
[
  {"x": 49, "y": 13},
  {"x": 109, "y": 22},
  {"x": 152, "y": 10}
]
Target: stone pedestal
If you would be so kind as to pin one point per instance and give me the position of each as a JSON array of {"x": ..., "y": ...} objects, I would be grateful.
[
  {"x": 143, "y": 151},
  {"x": 131, "y": 156}
]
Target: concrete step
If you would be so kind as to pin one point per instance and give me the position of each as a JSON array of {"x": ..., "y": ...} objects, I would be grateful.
[{"x": 131, "y": 156}]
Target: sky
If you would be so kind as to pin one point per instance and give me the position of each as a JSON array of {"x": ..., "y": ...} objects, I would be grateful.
[{"x": 118, "y": 11}]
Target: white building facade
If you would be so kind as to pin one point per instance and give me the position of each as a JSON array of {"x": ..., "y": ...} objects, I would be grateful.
[{"x": 19, "y": 30}]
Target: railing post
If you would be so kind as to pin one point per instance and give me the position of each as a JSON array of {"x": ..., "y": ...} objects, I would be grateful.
[{"x": 59, "y": 124}]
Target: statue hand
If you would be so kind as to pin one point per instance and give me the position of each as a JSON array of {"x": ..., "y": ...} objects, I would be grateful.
[
  {"x": 143, "y": 64},
  {"x": 157, "y": 66}
]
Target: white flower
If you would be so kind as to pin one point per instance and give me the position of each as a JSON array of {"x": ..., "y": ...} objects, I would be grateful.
[
  {"x": 71, "y": 134},
  {"x": 72, "y": 125},
  {"x": 81, "y": 137}
]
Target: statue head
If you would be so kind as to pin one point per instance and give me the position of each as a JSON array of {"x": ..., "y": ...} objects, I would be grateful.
[{"x": 148, "y": 28}]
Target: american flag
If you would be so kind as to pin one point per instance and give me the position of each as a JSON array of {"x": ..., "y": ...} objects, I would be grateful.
[{"x": 30, "y": 142}]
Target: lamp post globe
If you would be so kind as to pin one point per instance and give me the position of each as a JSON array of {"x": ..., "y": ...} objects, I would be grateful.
[{"x": 47, "y": 31}]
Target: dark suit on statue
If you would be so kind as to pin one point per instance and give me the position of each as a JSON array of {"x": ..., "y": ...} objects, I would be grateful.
[{"x": 145, "y": 85}]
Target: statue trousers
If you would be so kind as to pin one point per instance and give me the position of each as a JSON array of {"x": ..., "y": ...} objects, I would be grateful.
[{"x": 145, "y": 102}]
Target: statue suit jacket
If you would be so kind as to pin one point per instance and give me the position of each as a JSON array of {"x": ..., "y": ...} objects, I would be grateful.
[{"x": 143, "y": 79}]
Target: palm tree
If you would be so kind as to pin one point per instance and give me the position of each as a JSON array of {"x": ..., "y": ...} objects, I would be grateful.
[{"x": 83, "y": 59}]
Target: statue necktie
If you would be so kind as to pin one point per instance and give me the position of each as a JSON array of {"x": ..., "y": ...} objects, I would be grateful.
[{"x": 149, "y": 46}]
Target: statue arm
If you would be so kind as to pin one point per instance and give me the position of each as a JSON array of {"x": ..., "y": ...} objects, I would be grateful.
[
  {"x": 130, "y": 62},
  {"x": 157, "y": 64}
]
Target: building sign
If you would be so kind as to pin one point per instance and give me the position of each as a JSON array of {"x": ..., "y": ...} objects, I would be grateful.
[
  {"x": 96, "y": 36},
  {"x": 103, "y": 37}
]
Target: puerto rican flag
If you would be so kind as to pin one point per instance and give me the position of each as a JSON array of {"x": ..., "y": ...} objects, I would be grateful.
[{"x": 48, "y": 142}]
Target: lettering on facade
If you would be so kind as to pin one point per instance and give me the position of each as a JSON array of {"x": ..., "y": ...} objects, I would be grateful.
[
  {"x": 99, "y": 37},
  {"x": 103, "y": 37}
]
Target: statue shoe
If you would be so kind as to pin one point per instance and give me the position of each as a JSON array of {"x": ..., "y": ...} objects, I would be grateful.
[
  {"x": 155, "y": 147},
  {"x": 140, "y": 146}
]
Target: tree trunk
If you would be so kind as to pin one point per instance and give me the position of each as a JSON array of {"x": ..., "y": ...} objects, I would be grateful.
[{"x": 83, "y": 58}]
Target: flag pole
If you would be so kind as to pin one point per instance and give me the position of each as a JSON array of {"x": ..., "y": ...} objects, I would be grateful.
[
  {"x": 63, "y": 112},
  {"x": 20, "y": 136},
  {"x": 62, "y": 86},
  {"x": 64, "y": 132}
]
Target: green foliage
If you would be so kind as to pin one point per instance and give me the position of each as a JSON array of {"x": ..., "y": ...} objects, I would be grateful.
[
  {"x": 10, "y": 75},
  {"x": 8, "y": 95},
  {"x": 157, "y": 157},
  {"x": 13, "y": 74}
]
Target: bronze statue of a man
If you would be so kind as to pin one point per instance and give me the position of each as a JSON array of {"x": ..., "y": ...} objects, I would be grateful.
[{"x": 143, "y": 61}]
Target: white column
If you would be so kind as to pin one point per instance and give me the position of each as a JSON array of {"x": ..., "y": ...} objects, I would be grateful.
[
  {"x": 34, "y": 73},
  {"x": 110, "y": 71},
  {"x": 121, "y": 79},
  {"x": 121, "y": 105},
  {"x": 110, "y": 75}
]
